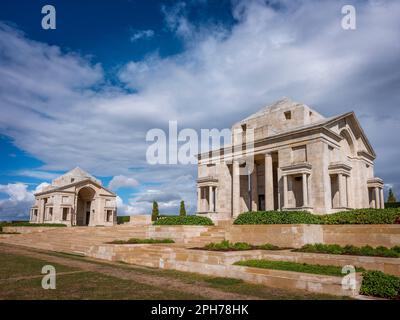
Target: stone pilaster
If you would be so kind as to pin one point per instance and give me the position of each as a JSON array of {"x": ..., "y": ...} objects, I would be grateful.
[
  {"x": 199, "y": 209},
  {"x": 210, "y": 199},
  {"x": 254, "y": 189},
  {"x": 235, "y": 189},
  {"x": 269, "y": 183},
  {"x": 377, "y": 204},
  {"x": 305, "y": 190}
]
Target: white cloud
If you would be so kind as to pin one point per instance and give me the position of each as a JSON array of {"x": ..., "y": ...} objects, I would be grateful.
[
  {"x": 37, "y": 174},
  {"x": 41, "y": 186},
  {"x": 19, "y": 200},
  {"x": 121, "y": 181},
  {"x": 141, "y": 34}
]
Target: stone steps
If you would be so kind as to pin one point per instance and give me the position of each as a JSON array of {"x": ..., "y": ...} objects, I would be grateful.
[{"x": 81, "y": 239}]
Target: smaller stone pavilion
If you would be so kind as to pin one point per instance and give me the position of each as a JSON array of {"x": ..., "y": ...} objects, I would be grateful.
[{"x": 75, "y": 199}]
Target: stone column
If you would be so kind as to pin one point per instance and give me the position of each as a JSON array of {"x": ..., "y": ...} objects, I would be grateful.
[
  {"x": 254, "y": 189},
  {"x": 235, "y": 189},
  {"x": 215, "y": 199},
  {"x": 285, "y": 192},
  {"x": 199, "y": 200},
  {"x": 210, "y": 199},
  {"x": 305, "y": 190},
  {"x": 382, "y": 199},
  {"x": 342, "y": 190},
  {"x": 377, "y": 205},
  {"x": 269, "y": 183}
]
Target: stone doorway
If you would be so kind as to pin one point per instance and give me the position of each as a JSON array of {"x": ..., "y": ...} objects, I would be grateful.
[{"x": 84, "y": 208}]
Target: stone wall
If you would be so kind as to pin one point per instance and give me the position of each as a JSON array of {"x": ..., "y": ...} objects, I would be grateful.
[
  {"x": 24, "y": 230},
  {"x": 140, "y": 219},
  {"x": 297, "y": 235}
]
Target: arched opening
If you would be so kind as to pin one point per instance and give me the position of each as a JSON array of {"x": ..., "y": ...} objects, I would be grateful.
[
  {"x": 84, "y": 212},
  {"x": 347, "y": 144}
]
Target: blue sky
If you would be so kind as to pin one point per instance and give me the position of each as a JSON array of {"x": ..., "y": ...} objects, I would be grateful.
[{"x": 86, "y": 93}]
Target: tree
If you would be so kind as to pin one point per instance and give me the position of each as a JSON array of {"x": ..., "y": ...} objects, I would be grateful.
[
  {"x": 154, "y": 212},
  {"x": 391, "y": 197},
  {"x": 182, "y": 210}
]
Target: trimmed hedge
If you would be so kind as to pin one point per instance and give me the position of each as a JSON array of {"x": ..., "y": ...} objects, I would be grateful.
[
  {"x": 123, "y": 219},
  {"x": 357, "y": 216},
  {"x": 379, "y": 284},
  {"x": 351, "y": 250},
  {"x": 184, "y": 220},
  {"x": 276, "y": 217}
]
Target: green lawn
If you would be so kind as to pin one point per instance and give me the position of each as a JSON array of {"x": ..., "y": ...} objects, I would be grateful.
[{"x": 95, "y": 285}]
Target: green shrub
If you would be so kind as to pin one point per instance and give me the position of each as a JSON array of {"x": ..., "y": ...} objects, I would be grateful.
[
  {"x": 350, "y": 250},
  {"x": 397, "y": 249},
  {"x": 123, "y": 219},
  {"x": 268, "y": 246},
  {"x": 186, "y": 220},
  {"x": 276, "y": 217},
  {"x": 357, "y": 216},
  {"x": 294, "y": 266},
  {"x": 141, "y": 241},
  {"x": 379, "y": 284},
  {"x": 225, "y": 245},
  {"x": 363, "y": 216}
]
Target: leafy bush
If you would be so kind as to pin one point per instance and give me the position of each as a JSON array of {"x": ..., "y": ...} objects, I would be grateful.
[
  {"x": 268, "y": 246},
  {"x": 276, "y": 217},
  {"x": 141, "y": 241},
  {"x": 357, "y": 216},
  {"x": 350, "y": 250},
  {"x": 379, "y": 284},
  {"x": 396, "y": 248},
  {"x": 184, "y": 220},
  {"x": 225, "y": 245},
  {"x": 123, "y": 219},
  {"x": 294, "y": 266},
  {"x": 363, "y": 216}
]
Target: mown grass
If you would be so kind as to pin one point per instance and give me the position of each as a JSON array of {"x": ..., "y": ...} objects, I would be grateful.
[
  {"x": 294, "y": 266},
  {"x": 92, "y": 285}
]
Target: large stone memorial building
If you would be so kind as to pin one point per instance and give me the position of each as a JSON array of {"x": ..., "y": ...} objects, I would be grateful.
[{"x": 302, "y": 161}]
